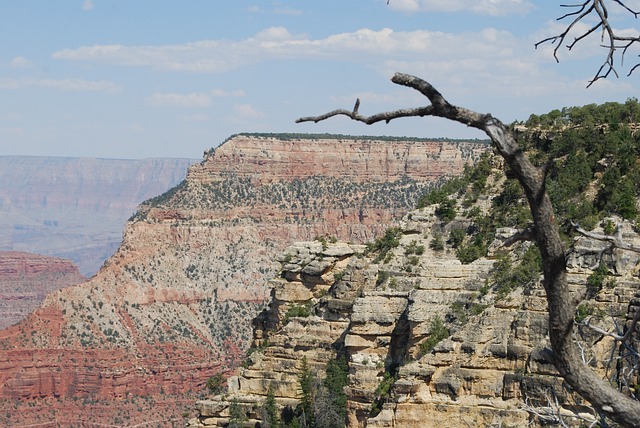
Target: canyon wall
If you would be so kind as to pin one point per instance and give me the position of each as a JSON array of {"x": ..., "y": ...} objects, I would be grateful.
[
  {"x": 173, "y": 306},
  {"x": 75, "y": 208},
  {"x": 26, "y": 279},
  {"x": 429, "y": 341}
]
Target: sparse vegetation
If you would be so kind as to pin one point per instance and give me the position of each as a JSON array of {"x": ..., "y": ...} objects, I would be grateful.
[
  {"x": 383, "y": 245},
  {"x": 437, "y": 332},
  {"x": 414, "y": 248},
  {"x": 216, "y": 383},
  {"x": 382, "y": 393},
  {"x": 596, "y": 280},
  {"x": 505, "y": 276},
  {"x": 298, "y": 310},
  {"x": 437, "y": 242}
]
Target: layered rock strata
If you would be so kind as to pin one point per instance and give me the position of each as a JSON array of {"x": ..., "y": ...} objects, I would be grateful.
[
  {"x": 173, "y": 306},
  {"x": 491, "y": 366},
  {"x": 75, "y": 208},
  {"x": 25, "y": 280}
]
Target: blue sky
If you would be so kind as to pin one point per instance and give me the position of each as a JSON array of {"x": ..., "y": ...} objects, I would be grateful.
[{"x": 156, "y": 78}]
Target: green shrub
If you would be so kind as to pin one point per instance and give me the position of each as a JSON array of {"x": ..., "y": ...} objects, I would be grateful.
[
  {"x": 385, "y": 244},
  {"x": 446, "y": 210},
  {"x": 437, "y": 332},
  {"x": 215, "y": 384},
  {"x": 504, "y": 277},
  {"x": 383, "y": 275},
  {"x": 298, "y": 310},
  {"x": 382, "y": 393},
  {"x": 582, "y": 312},
  {"x": 414, "y": 248},
  {"x": 456, "y": 236},
  {"x": 471, "y": 252},
  {"x": 595, "y": 281},
  {"x": 413, "y": 260},
  {"x": 337, "y": 377},
  {"x": 437, "y": 243},
  {"x": 609, "y": 227}
]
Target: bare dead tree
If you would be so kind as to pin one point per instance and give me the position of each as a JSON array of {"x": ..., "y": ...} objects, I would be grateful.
[
  {"x": 614, "y": 241},
  {"x": 555, "y": 414},
  {"x": 561, "y": 302},
  {"x": 610, "y": 38}
]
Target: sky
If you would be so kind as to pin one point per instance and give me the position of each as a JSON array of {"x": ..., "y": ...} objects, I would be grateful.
[{"x": 158, "y": 78}]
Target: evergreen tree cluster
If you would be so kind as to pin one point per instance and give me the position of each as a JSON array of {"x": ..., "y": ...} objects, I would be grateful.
[
  {"x": 323, "y": 403},
  {"x": 593, "y": 158},
  {"x": 595, "y": 147}
]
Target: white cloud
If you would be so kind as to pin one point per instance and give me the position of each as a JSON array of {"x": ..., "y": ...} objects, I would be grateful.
[
  {"x": 364, "y": 45},
  {"x": 221, "y": 93},
  {"x": 9, "y": 84},
  {"x": 87, "y": 5},
  {"x": 10, "y": 117},
  {"x": 276, "y": 11},
  {"x": 180, "y": 100},
  {"x": 14, "y": 131},
  {"x": 206, "y": 56},
  {"x": 590, "y": 46},
  {"x": 479, "y": 7},
  {"x": 79, "y": 85},
  {"x": 76, "y": 85},
  {"x": 20, "y": 62},
  {"x": 136, "y": 127},
  {"x": 368, "y": 99},
  {"x": 246, "y": 111}
]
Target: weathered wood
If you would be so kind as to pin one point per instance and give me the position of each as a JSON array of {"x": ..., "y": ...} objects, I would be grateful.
[{"x": 561, "y": 303}]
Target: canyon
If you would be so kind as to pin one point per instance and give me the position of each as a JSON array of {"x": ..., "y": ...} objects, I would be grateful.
[
  {"x": 26, "y": 279},
  {"x": 174, "y": 305},
  {"x": 428, "y": 341},
  {"x": 75, "y": 208}
]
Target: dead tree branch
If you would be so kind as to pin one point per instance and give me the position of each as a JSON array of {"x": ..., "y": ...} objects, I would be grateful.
[
  {"x": 521, "y": 235},
  {"x": 561, "y": 302},
  {"x": 554, "y": 414},
  {"x": 611, "y": 40},
  {"x": 615, "y": 241}
]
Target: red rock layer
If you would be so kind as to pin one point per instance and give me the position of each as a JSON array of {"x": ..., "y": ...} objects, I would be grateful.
[
  {"x": 361, "y": 158},
  {"x": 25, "y": 280},
  {"x": 174, "y": 304}
]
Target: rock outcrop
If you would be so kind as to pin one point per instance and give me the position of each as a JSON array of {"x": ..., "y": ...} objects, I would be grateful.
[
  {"x": 428, "y": 341},
  {"x": 25, "y": 280},
  {"x": 173, "y": 306}
]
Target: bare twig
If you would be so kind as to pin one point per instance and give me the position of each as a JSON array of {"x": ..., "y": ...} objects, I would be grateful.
[
  {"x": 556, "y": 414},
  {"x": 610, "y": 39},
  {"x": 561, "y": 301},
  {"x": 521, "y": 235},
  {"x": 615, "y": 241},
  {"x": 614, "y": 336}
]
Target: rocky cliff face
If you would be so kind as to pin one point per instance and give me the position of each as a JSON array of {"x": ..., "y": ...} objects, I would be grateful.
[
  {"x": 75, "y": 208},
  {"x": 25, "y": 280},
  {"x": 429, "y": 341},
  {"x": 174, "y": 304}
]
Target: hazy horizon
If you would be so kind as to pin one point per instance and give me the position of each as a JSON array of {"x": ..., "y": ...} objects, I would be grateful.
[{"x": 160, "y": 79}]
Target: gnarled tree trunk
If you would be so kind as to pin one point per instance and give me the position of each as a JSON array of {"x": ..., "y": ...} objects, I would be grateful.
[{"x": 605, "y": 398}]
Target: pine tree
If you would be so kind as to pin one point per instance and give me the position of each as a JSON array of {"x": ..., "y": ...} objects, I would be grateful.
[{"x": 270, "y": 410}]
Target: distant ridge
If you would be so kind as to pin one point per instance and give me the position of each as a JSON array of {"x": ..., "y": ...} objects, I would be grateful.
[
  {"x": 173, "y": 306},
  {"x": 26, "y": 279},
  {"x": 75, "y": 208}
]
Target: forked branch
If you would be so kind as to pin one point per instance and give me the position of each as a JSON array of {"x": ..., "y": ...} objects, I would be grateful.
[
  {"x": 561, "y": 302},
  {"x": 615, "y": 241},
  {"x": 610, "y": 38}
]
